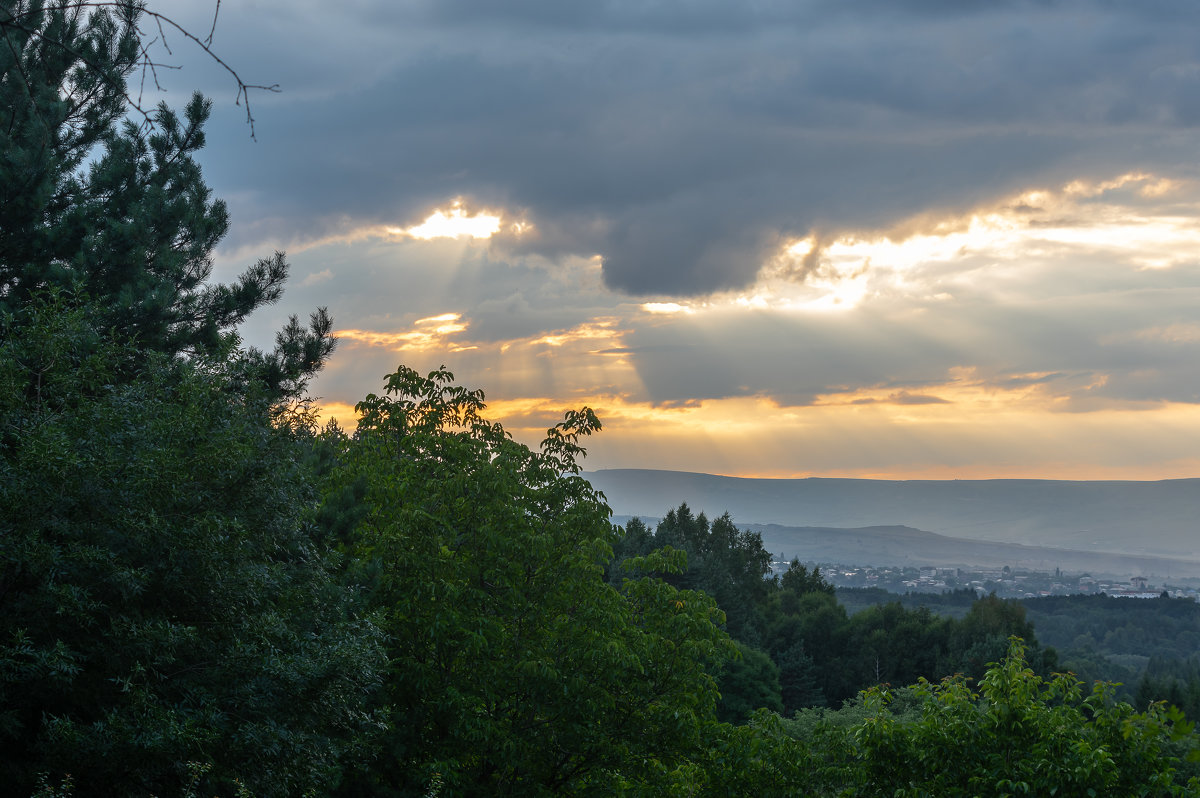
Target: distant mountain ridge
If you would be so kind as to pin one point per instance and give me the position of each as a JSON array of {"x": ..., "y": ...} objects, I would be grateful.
[
  {"x": 900, "y": 545},
  {"x": 1159, "y": 519},
  {"x": 905, "y": 546}
]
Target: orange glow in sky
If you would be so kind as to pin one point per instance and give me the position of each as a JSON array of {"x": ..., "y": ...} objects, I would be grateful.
[{"x": 959, "y": 419}]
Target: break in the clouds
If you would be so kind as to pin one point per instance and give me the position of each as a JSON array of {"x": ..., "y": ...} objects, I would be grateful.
[
  {"x": 1050, "y": 332},
  {"x": 682, "y": 141},
  {"x": 889, "y": 238}
]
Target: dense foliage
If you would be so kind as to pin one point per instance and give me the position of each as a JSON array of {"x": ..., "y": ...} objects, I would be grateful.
[
  {"x": 167, "y": 608},
  {"x": 515, "y": 667},
  {"x": 163, "y": 597},
  {"x": 1162, "y": 627},
  {"x": 800, "y": 647},
  {"x": 201, "y": 593},
  {"x": 727, "y": 563},
  {"x": 1018, "y": 733},
  {"x": 1147, "y": 647}
]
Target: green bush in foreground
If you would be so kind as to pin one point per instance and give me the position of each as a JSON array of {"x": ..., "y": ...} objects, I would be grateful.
[{"x": 1018, "y": 734}]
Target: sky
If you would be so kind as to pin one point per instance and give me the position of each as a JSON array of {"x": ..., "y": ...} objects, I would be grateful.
[{"x": 896, "y": 239}]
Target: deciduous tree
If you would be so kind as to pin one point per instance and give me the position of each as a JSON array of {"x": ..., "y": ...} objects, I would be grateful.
[
  {"x": 515, "y": 666},
  {"x": 1018, "y": 734}
]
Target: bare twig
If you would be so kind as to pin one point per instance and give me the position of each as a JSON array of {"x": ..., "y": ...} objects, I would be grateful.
[
  {"x": 12, "y": 20},
  {"x": 213, "y": 29},
  {"x": 243, "y": 88}
]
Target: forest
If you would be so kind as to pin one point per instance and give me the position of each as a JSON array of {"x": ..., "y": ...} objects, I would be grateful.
[{"x": 204, "y": 591}]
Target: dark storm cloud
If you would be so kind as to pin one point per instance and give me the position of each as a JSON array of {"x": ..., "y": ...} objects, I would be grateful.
[
  {"x": 683, "y": 141},
  {"x": 1096, "y": 343},
  {"x": 792, "y": 359}
]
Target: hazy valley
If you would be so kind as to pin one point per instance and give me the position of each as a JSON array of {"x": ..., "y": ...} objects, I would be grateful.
[{"x": 1101, "y": 526}]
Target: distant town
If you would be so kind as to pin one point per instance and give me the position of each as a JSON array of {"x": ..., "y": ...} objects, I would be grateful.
[{"x": 1004, "y": 582}]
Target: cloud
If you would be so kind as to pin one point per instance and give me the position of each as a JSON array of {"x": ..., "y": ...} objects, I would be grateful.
[
  {"x": 436, "y": 333},
  {"x": 316, "y": 277},
  {"x": 1033, "y": 354},
  {"x": 1032, "y": 312},
  {"x": 751, "y": 437},
  {"x": 666, "y": 307},
  {"x": 903, "y": 398},
  {"x": 812, "y": 227},
  {"x": 680, "y": 142}
]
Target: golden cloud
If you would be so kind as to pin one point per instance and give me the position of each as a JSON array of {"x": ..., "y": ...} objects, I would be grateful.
[
  {"x": 1123, "y": 218},
  {"x": 598, "y": 329},
  {"x": 428, "y": 333}
]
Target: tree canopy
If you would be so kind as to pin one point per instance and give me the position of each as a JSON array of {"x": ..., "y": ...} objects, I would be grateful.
[
  {"x": 1016, "y": 734},
  {"x": 164, "y": 596},
  {"x": 203, "y": 593},
  {"x": 515, "y": 666}
]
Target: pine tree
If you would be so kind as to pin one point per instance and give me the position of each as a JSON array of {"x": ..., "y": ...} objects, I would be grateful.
[
  {"x": 134, "y": 229},
  {"x": 172, "y": 619}
]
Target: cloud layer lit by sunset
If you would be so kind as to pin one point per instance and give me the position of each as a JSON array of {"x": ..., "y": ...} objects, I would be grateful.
[{"x": 901, "y": 240}]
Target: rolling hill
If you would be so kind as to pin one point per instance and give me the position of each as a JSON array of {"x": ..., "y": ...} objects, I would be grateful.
[{"x": 1020, "y": 520}]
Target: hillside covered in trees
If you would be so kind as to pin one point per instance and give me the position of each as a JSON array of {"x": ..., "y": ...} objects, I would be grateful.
[{"x": 205, "y": 592}]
